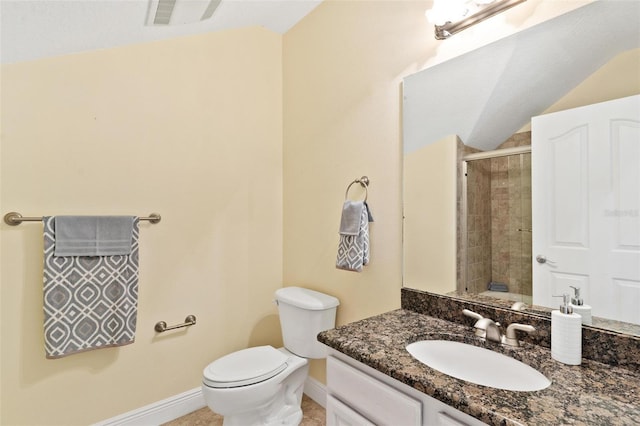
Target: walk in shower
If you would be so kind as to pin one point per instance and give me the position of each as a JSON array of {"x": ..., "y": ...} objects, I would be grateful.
[{"x": 496, "y": 223}]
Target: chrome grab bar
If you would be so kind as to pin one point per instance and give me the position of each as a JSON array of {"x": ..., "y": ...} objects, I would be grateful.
[{"x": 161, "y": 326}]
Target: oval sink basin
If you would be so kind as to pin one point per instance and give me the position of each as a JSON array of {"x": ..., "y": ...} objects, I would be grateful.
[{"x": 478, "y": 365}]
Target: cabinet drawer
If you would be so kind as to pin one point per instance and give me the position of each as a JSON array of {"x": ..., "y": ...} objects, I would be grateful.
[{"x": 379, "y": 402}]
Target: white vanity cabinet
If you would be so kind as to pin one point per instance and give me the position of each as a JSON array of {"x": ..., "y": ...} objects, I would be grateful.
[{"x": 358, "y": 395}]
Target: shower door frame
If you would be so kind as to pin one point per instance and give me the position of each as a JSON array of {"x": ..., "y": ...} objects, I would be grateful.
[{"x": 497, "y": 153}]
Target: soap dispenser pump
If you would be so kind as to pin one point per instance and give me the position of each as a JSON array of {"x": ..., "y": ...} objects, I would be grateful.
[
  {"x": 579, "y": 307},
  {"x": 566, "y": 334}
]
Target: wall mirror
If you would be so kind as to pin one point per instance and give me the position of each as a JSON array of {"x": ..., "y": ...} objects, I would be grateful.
[{"x": 477, "y": 106}]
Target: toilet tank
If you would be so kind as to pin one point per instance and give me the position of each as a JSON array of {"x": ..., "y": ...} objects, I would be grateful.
[{"x": 303, "y": 314}]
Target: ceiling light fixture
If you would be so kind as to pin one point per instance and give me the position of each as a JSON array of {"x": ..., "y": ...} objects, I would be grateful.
[{"x": 452, "y": 16}]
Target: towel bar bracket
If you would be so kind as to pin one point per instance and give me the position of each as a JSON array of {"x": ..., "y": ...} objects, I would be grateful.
[
  {"x": 15, "y": 218},
  {"x": 153, "y": 218},
  {"x": 161, "y": 326}
]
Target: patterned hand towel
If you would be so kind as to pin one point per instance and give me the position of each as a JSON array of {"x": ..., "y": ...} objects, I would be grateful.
[
  {"x": 353, "y": 249},
  {"x": 90, "y": 302}
]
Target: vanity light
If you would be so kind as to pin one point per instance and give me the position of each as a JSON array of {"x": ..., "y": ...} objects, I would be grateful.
[{"x": 453, "y": 16}]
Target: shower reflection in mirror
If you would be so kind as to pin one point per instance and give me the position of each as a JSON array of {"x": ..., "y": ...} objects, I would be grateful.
[{"x": 496, "y": 224}]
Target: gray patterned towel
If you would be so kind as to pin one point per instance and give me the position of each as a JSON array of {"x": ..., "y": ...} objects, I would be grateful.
[
  {"x": 353, "y": 248},
  {"x": 90, "y": 302}
]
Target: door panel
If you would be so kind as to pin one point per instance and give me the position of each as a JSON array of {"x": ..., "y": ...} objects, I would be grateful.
[
  {"x": 586, "y": 207},
  {"x": 569, "y": 153}
]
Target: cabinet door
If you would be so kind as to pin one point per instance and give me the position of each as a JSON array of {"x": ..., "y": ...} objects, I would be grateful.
[
  {"x": 446, "y": 419},
  {"x": 339, "y": 414},
  {"x": 381, "y": 403}
]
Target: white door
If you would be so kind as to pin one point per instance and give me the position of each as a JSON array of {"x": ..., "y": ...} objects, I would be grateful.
[{"x": 586, "y": 207}]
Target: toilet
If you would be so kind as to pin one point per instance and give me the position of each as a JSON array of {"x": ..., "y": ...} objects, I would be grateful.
[{"x": 263, "y": 385}]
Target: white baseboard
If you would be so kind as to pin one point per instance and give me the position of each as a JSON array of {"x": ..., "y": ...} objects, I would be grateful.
[
  {"x": 161, "y": 411},
  {"x": 190, "y": 401},
  {"x": 316, "y": 391}
]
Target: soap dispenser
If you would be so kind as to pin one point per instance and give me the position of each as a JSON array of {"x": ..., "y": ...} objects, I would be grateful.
[
  {"x": 566, "y": 334},
  {"x": 579, "y": 307}
]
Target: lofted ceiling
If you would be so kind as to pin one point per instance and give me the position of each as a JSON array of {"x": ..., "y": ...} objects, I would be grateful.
[
  {"x": 34, "y": 29},
  {"x": 487, "y": 95},
  {"x": 493, "y": 91}
]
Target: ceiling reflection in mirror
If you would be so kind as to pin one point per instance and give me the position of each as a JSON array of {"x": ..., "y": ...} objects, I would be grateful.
[{"x": 484, "y": 101}]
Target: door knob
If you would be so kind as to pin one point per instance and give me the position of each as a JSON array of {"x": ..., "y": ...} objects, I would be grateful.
[{"x": 542, "y": 259}]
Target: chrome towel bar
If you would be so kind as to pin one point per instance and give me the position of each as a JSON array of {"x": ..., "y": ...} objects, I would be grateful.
[
  {"x": 14, "y": 218},
  {"x": 161, "y": 326}
]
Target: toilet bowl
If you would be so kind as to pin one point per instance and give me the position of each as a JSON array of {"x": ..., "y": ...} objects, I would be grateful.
[
  {"x": 263, "y": 385},
  {"x": 260, "y": 385}
]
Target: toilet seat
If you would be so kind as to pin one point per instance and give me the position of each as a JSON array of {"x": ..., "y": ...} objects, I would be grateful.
[{"x": 245, "y": 367}]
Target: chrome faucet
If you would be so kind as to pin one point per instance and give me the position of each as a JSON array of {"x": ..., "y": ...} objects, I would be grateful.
[
  {"x": 492, "y": 331},
  {"x": 510, "y": 338},
  {"x": 485, "y": 327}
]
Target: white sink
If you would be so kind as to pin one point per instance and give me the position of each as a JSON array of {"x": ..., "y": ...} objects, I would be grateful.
[{"x": 478, "y": 365}]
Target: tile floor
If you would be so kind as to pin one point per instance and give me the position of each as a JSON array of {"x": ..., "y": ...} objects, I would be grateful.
[{"x": 314, "y": 415}]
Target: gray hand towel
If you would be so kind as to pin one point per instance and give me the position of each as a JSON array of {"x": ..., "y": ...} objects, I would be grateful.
[
  {"x": 351, "y": 216},
  {"x": 353, "y": 249},
  {"x": 93, "y": 235}
]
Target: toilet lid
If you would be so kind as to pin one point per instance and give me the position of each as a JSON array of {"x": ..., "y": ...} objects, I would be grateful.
[{"x": 245, "y": 367}]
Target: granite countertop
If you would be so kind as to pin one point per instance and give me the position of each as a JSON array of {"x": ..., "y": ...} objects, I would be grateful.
[{"x": 592, "y": 393}]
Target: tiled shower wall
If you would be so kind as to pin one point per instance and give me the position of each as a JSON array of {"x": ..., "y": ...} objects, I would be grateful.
[
  {"x": 511, "y": 217},
  {"x": 499, "y": 220},
  {"x": 479, "y": 207},
  {"x": 511, "y": 222}
]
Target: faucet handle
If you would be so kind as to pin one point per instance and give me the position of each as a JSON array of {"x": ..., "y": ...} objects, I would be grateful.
[
  {"x": 510, "y": 338},
  {"x": 472, "y": 314},
  {"x": 518, "y": 306},
  {"x": 481, "y": 323}
]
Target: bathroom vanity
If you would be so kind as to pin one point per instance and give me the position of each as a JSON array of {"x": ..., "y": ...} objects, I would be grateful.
[
  {"x": 372, "y": 379},
  {"x": 357, "y": 388}
]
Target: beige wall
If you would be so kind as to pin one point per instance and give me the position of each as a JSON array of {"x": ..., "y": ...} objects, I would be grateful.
[
  {"x": 430, "y": 213},
  {"x": 618, "y": 78},
  {"x": 193, "y": 128},
  {"x": 343, "y": 67},
  {"x": 190, "y": 128}
]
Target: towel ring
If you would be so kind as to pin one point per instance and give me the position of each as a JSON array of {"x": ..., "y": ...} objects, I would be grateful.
[{"x": 364, "y": 182}]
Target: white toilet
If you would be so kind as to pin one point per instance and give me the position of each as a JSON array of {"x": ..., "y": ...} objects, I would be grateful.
[{"x": 263, "y": 385}]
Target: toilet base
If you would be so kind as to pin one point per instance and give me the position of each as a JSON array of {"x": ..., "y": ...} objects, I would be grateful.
[
  {"x": 285, "y": 410},
  {"x": 276, "y": 401}
]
